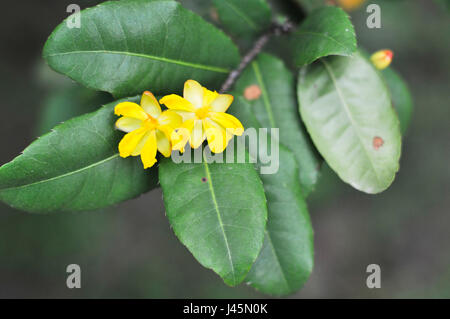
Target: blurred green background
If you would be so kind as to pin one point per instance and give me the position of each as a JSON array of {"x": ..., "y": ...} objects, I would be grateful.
[{"x": 130, "y": 251}]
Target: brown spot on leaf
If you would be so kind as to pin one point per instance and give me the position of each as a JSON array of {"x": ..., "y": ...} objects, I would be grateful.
[
  {"x": 252, "y": 92},
  {"x": 377, "y": 142},
  {"x": 204, "y": 179}
]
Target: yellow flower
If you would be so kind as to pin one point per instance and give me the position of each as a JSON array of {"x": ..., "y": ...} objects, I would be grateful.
[
  {"x": 148, "y": 129},
  {"x": 381, "y": 59},
  {"x": 204, "y": 117}
]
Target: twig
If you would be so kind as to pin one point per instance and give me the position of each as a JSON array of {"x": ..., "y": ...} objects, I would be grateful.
[{"x": 277, "y": 29}]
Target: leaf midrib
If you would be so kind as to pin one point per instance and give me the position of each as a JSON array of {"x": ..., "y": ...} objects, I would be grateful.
[
  {"x": 350, "y": 117},
  {"x": 64, "y": 175},
  {"x": 146, "y": 56},
  {"x": 216, "y": 206}
]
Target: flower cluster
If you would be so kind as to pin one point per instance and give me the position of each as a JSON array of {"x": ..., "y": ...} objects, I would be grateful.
[{"x": 197, "y": 116}]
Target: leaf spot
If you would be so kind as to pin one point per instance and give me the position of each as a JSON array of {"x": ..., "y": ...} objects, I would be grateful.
[
  {"x": 252, "y": 92},
  {"x": 204, "y": 179},
  {"x": 377, "y": 142}
]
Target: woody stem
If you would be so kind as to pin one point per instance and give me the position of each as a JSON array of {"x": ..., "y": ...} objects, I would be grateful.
[{"x": 276, "y": 29}]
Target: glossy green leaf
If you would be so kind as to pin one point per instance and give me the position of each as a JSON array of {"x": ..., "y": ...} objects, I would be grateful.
[
  {"x": 347, "y": 110},
  {"x": 218, "y": 211},
  {"x": 76, "y": 167},
  {"x": 401, "y": 97},
  {"x": 276, "y": 107},
  {"x": 126, "y": 47},
  {"x": 326, "y": 31},
  {"x": 243, "y": 18},
  {"x": 287, "y": 256}
]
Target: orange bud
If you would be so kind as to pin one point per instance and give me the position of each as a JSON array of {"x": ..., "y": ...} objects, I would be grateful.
[
  {"x": 350, "y": 5},
  {"x": 381, "y": 59}
]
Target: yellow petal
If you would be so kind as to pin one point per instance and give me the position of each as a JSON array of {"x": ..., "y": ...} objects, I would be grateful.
[
  {"x": 130, "y": 109},
  {"x": 166, "y": 129},
  {"x": 193, "y": 92},
  {"x": 148, "y": 153},
  {"x": 150, "y": 104},
  {"x": 138, "y": 149},
  {"x": 180, "y": 137},
  {"x": 130, "y": 141},
  {"x": 170, "y": 118},
  {"x": 217, "y": 137},
  {"x": 163, "y": 143},
  {"x": 209, "y": 97},
  {"x": 197, "y": 134},
  {"x": 177, "y": 103},
  {"x": 222, "y": 103},
  {"x": 128, "y": 124},
  {"x": 186, "y": 115},
  {"x": 228, "y": 121}
]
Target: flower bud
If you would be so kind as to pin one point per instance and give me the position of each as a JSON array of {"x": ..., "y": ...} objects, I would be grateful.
[
  {"x": 381, "y": 59},
  {"x": 350, "y": 5}
]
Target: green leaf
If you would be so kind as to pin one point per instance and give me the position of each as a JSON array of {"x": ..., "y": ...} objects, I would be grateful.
[
  {"x": 401, "y": 97},
  {"x": 310, "y": 5},
  {"x": 277, "y": 108},
  {"x": 326, "y": 31},
  {"x": 218, "y": 211},
  {"x": 243, "y": 18},
  {"x": 347, "y": 110},
  {"x": 64, "y": 103},
  {"x": 76, "y": 167},
  {"x": 287, "y": 256},
  {"x": 126, "y": 47}
]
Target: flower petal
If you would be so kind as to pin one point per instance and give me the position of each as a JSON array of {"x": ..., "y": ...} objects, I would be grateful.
[
  {"x": 222, "y": 103},
  {"x": 193, "y": 92},
  {"x": 186, "y": 115},
  {"x": 128, "y": 124},
  {"x": 217, "y": 136},
  {"x": 228, "y": 121},
  {"x": 181, "y": 136},
  {"x": 138, "y": 149},
  {"x": 163, "y": 143},
  {"x": 130, "y": 141},
  {"x": 150, "y": 104},
  {"x": 177, "y": 103},
  {"x": 197, "y": 135},
  {"x": 209, "y": 96},
  {"x": 170, "y": 118},
  {"x": 148, "y": 153},
  {"x": 130, "y": 109}
]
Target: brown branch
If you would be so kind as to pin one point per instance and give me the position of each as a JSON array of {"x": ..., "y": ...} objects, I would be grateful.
[{"x": 276, "y": 29}]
